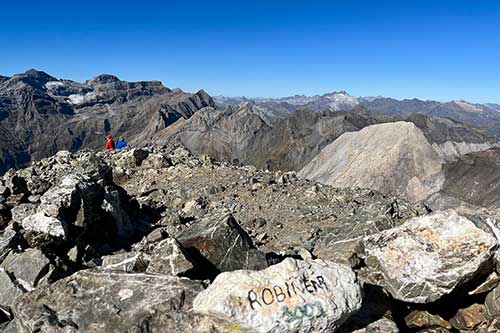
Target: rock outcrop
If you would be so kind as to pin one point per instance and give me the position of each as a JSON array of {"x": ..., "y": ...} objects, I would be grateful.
[
  {"x": 293, "y": 296},
  {"x": 428, "y": 257}
]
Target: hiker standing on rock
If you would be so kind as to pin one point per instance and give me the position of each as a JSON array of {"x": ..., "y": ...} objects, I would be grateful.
[{"x": 110, "y": 144}]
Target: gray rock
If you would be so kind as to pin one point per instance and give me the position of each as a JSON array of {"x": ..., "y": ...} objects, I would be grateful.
[
  {"x": 7, "y": 241},
  {"x": 169, "y": 258},
  {"x": 427, "y": 257},
  {"x": 20, "y": 212},
  {"x": 41, "y": 223},
  {"x": 292, "y": 296},
  {"x": 96, "y": 301},
  {"x": 492, "y": 302},
  {"x": 59, "y": 200},
  {"x": 9, "y": 290},
  {"x": 382, "y": 325},
  {"x": 224, "y": 243},
  {"x": 27, "y": 267},
  {"x": 127, "y": 262},
  {"x": 11, "y": 327}
]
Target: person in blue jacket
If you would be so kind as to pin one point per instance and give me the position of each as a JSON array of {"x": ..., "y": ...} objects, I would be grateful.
[{"x": 120, "y": 144}]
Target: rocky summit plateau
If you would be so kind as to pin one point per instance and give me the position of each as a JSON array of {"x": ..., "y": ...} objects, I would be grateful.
[{"x": 326, "y": 213}]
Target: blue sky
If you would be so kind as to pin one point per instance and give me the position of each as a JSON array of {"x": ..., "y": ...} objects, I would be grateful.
[{"x": 426, "y": 49}]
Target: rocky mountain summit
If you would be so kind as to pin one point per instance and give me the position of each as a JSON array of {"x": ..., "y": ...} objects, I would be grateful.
[{"x": 160, "y": 240}]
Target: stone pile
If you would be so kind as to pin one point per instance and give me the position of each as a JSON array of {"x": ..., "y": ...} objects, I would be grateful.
[{"x": 159, "y": 240}]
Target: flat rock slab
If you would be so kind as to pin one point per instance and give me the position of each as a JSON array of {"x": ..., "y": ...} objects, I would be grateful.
[
  {"x": 97, "y": 301},
  {"x": 9, "y": 291},
  {"x": 27, "y": 267},
  {"x": 292, "y": 296},
  {"x": 428, "y": 256}
]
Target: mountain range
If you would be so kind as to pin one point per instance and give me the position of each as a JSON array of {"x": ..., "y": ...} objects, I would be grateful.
[
  {"x": 485, "y": 116},
  {"x": 40, "y": 115}
]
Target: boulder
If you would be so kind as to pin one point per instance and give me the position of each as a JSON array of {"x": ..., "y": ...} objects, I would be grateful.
[
  {"x": 469, "y": 318},
  {"x": 383, "y": 325},
  {"x": 41, "y": 223},
  {"x": 61, "y": 201},
  {"x": 292, "y": 296},
  {"x": 126, "y": 262},
  {"x": 427, "y": 257},
  {"x": 20, "y": 212},
  {"x": 9, "y": 290},
  {"x": 169, "y": 258},
  {"x": 487, "y": 285},
  {"x": 97, "y": 301},
  {"x": 221, "y": 241},
  {"x": 8, "y": 241},
  {"x": 10, "y": 327},
  {"x": 492, "y": 327},
  {"x": 423, "y": 319},
  {"x": 27, "y": 267},
  {"x": 492, "y": 302}
]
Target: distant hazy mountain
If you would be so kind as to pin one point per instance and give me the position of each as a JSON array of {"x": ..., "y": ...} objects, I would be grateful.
[
  {"x": 477, "y": 115},
  {"x": 493, "y": 106}
]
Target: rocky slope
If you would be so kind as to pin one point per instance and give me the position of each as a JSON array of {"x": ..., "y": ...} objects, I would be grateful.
[
  {"x": 392, "y": 157},
  {"x": 415, "y": 159},
  {"x": 157, "y": 239},
  {"x": 40, "y": 114},
  {"x": 244, "y": 134}
]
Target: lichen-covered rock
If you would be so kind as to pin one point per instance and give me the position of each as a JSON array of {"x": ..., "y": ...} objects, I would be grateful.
[
  {"x": 169, "y": 258},
  {"x": 292, "y": 296},
  {"x": 223, "y": 242},
  {"x": 427, "y": 257},
  {"x": 96, "y": 301}
]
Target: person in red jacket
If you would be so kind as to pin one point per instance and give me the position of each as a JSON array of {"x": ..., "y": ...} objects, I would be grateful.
[{"x": 110, "y": 144}]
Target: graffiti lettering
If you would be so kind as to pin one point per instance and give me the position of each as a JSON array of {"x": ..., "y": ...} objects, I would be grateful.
[
  {"x": 308, "y": 310},
  {"x": 279, "y": 294}
]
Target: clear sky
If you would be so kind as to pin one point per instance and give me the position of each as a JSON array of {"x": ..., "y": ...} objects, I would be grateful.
[{"x": 426, "y": 49}]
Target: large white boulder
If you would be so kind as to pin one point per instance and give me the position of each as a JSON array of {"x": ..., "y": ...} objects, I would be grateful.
[
  {"x": 292, "y": 296},
  {"x": 429, "y": 256}
]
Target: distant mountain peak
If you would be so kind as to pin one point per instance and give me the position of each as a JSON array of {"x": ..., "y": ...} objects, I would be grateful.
[{"x": 102, "y": 79}]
